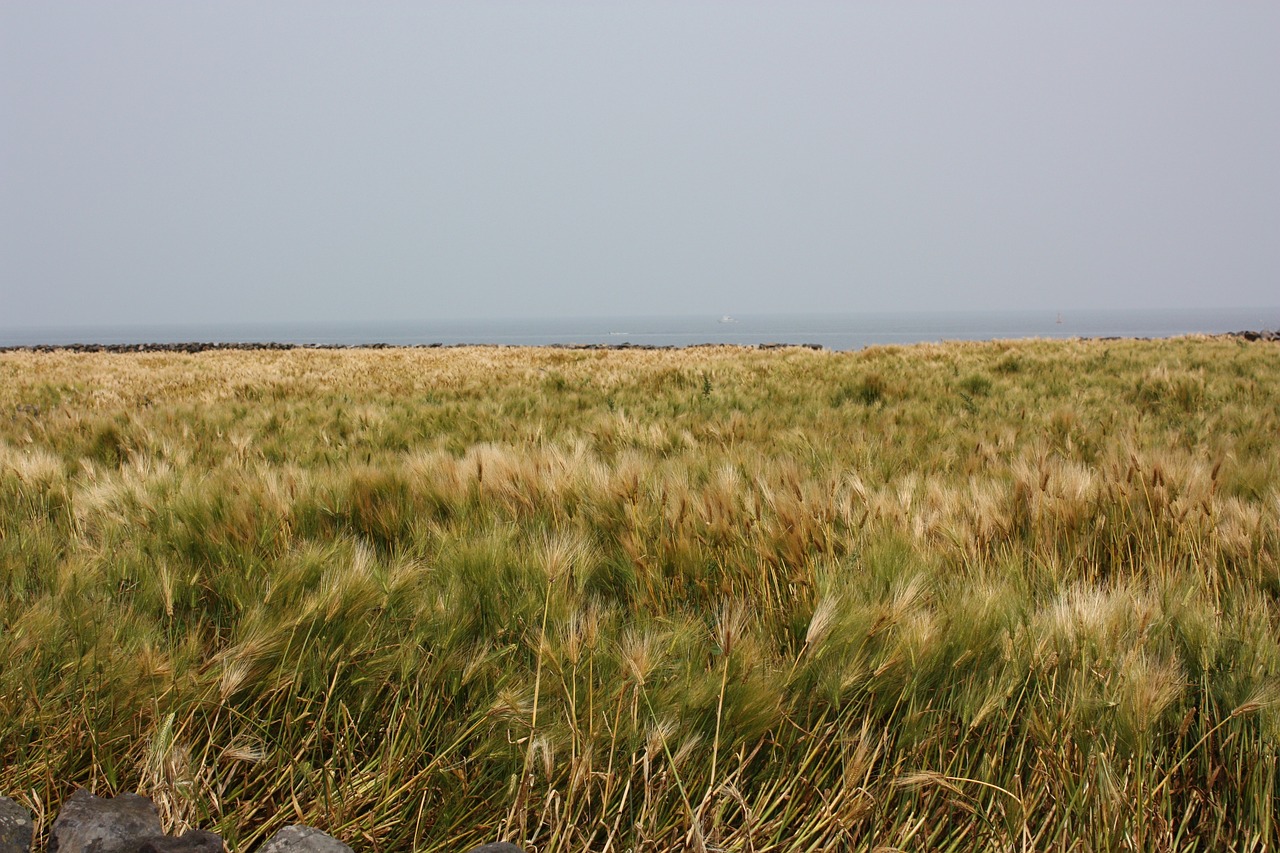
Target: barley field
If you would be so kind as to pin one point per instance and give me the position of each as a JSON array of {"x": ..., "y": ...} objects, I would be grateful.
[{"x": 1002, "y": 596}]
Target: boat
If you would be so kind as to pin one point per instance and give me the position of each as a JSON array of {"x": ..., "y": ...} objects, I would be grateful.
[{"x": 727, "y": 319}]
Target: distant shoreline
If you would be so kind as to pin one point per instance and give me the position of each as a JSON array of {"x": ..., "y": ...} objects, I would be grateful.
[
  {"x": 272, "y": 346},
  {"x": 192, "y": 347},
  {"x": 836, "y": 331}
]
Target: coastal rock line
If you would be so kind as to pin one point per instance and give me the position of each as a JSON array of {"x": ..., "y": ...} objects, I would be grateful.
[{"x": 1264, "y": 335}]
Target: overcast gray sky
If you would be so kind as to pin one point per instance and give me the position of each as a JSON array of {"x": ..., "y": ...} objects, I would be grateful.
[{"x": 230, "y": 161}]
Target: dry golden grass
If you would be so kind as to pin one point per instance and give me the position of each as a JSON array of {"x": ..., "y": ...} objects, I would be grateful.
[{"x": 1016, "y": 595}]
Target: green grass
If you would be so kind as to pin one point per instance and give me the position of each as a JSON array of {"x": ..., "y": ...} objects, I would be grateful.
[{"x": 945, "y": 597}]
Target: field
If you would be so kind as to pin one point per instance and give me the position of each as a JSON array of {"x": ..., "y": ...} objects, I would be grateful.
[{"x": 1012, "y": 595}]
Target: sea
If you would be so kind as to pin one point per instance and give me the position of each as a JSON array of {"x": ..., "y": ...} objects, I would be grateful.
[{"x": 834, "y": 331}]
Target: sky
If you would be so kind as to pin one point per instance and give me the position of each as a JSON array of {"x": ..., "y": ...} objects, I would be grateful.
[{"x": 326, "y": 161}]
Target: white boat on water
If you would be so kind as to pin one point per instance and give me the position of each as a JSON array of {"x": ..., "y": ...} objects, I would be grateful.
[{"x": 727, "y": 319}]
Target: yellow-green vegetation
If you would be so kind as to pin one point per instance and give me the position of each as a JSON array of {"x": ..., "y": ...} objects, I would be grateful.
[{"x": 971, "y": 596}]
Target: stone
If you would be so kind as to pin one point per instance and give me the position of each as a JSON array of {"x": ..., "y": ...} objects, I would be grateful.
[
  {"x": 191, "y": 841},
  {"x": 15, "y": 827},
  {"x": 496, "y": 847},
  {"x": 303, "y": 839},
  {"x": 89, "y": 824}
]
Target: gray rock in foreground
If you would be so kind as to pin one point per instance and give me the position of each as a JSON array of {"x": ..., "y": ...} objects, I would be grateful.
[
  {"x": 497, "y": 847},
  {"x": 303, "y": 839},
  {"x": 15, "y": 827},
  {"x": 192, "y": 841},
  {"x": 89, "y": 824}
]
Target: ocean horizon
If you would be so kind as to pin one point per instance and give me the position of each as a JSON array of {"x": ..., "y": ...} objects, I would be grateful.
[{"x": 835, "y": 331}]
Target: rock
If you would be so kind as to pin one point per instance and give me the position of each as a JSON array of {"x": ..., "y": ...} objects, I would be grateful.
[
  {"x": 191, "y": 841},
  {"x": 303, "y": 839},
  {"x": 496, "y": 847},
  {"x": 89, "y": 824},
  {"x": 15, "y": 827}
]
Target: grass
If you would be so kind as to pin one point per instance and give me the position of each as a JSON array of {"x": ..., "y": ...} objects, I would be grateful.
[{"x": 1013, "y": 595}]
